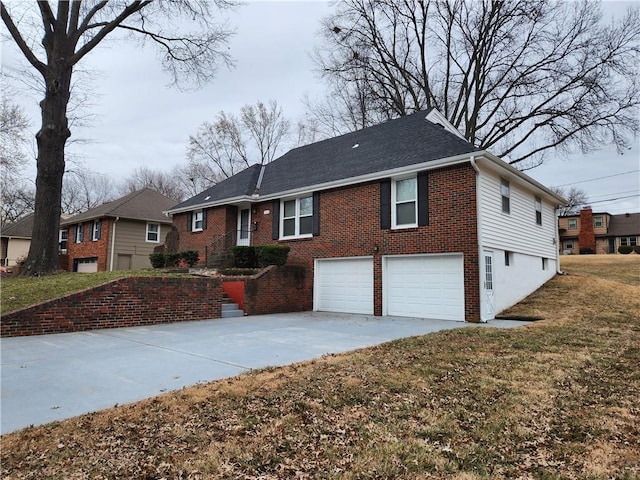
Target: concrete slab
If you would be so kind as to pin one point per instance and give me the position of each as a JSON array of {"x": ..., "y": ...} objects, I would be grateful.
[{"x": 53, "y": 377}]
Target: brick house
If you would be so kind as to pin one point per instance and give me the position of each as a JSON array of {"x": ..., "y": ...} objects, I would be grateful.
[
  {"x": 589, "y": 232},
  {"x": 117, "y": 235},
  {"x": 404, "y": 218}
]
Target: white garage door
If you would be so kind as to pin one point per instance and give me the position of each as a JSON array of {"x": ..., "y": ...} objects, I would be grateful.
[
  {"x": 87, "y": 265},
  {"x": 344, "y": 285},
  {"x": 424, "y": 286}
]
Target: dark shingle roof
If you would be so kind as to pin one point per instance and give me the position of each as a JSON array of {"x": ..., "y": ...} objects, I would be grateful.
[
  {"x": 21, "y": 228},
  {"x": 146, "y": 204},
  {"x": 241, "y": 184},
  {"x": 625, "y": 224},
  {"x": 394, "y": 144}
]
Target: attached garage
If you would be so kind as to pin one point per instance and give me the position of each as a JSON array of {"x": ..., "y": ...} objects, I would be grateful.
[
  {"x": 344, "y": 285},
  {"x": 423, "y": 286},
  {"x": 86, "y": 265}
]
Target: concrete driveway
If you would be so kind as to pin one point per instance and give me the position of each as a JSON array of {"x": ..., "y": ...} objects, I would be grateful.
[{"x": 53, "y": 377}]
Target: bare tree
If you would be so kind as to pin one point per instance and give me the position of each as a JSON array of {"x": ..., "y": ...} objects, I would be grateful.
[
  {"x": 17, "y": 199},
  {"x": 521, "y": 77},
  {"x": 162, "y": 182},
  {"x": 83, "y": 190},
  {"x": 231, "y": 144},
  {"x": 13, "y": 139},
  {"x": 575, "y": 197},
  {"x": 69, "y": 31}
]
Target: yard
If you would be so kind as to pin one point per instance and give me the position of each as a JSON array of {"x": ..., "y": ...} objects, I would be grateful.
[{"x": 555, "y": 399}]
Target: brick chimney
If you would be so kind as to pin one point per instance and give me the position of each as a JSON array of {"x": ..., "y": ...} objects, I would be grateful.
[{"x": 586, "y": 237}]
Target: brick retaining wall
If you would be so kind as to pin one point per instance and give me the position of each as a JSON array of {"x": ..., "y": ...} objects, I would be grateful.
[{"x": 131, "y": 301}]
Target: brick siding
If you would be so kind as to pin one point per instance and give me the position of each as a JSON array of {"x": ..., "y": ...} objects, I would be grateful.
[
  {"x": 277, "y": 290},
  {"x": 350, "y": 227},
  {"x": 88, "y": 248},
  {"x": 127, "y": 302}
]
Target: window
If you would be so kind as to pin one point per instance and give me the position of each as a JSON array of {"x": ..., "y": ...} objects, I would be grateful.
[
  {"x": 597, "y": 222},
  {"x": 573, "y": 223},
  {"x": 63, "y": 240},
  {"x": 505, "y": 191},
  {"x": 508, "y": 258},
  {"x": 297, "y": 217},
  {"x": 96, "y": 230},
  {"x": 628, "y": 241},
  {"x": 79, "y": 233},
  {"x": 538, "y": 205},
  {"x": 197, "y": 222},
  {"x": 405, "y": 203},
  {"x": 545, "y": 263},
  {"x": 568, "y": 244},
  {"x": 153, "y": 232}
]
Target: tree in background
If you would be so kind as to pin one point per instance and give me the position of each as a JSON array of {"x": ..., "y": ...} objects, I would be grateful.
[
  {"x": 162, "y": 182},
  {"x": 83, "y": 190},
  {"x": 230, "y": 144},
  {"x": 55, "y": 37},
  {"x": 520, "y": 78},
  {"x": 575, "y": 197}
]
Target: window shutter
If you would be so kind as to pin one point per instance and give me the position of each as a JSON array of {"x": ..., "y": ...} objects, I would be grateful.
[
  {"x": 275, "y": 211},
  {"x": 315, "y": 229},
  {"x": 204, "y": 219},
  {"x": 385, "y": 204},
  {"x": 189, "y": 221},
  {"x": 423, "y": 198}
]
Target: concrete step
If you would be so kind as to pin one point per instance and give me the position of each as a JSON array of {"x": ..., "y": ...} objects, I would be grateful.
[{"x": 230, "y": 310}]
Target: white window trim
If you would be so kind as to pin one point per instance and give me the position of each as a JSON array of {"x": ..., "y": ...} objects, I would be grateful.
[
  {"x": 297, "y": 218},
  {"x": 157, "y": 233},
  {"x": 79, "y": 234},
  {"x": 537, "y": 205},
  {"x": 569, "y": 227},
  {"x": 595, "y": 223},
  {"x": 394, "y": 224},
  {"x": 94, "y": 230},
  {"x": 505, "y": 183},
  {"x": 194, "y": 220}
]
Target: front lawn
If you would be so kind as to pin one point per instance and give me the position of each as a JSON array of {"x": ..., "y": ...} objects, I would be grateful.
[{"x": 552, "y": 400}]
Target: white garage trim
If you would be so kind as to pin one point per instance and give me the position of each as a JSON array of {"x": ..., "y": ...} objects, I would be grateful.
[
  {"x": 87, "y": 265},
  {"x": 343, "y": 285},
  {"x": 423, "y": 286}
]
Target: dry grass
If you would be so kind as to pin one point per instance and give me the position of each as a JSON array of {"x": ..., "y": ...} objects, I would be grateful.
[{"x": 555, "y": 399}]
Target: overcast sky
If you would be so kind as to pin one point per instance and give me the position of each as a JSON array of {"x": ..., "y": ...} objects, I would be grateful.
[{"x": 139, "y": 121}]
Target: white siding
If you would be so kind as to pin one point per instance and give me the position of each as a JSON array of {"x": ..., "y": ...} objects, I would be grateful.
[{"x": 516, "y": 232}]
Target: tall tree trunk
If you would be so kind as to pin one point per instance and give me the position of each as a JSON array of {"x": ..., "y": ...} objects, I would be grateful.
[{"x": 51, "y": 139}]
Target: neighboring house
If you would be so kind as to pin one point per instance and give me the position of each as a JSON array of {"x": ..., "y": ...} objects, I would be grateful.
[
  {"x": 117, "y": 235},
  {"x": 589, "y": 232},
  {"x": 405, "y": 218},
  {"x": 16, "y": 240}
]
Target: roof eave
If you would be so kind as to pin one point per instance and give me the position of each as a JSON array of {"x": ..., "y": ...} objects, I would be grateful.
[{"x": 523, "y": 176}]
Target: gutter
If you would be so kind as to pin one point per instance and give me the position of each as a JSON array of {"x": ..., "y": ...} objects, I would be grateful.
[{"x": 113, "y": 244}]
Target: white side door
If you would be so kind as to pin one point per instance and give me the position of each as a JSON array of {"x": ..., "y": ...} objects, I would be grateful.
[{"x": 487, "y": 303}]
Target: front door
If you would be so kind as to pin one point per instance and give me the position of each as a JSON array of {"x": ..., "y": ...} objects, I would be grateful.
[
  {"x": 488, "y": 283},
  {"x": 244, "y": 219}
]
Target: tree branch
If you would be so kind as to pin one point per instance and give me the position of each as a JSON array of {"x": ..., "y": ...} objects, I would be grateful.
[{"x": 22, "y": 45}]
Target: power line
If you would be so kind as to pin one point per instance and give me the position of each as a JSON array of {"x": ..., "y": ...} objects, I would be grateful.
[
  {"x": 610, "y": 200},
  {"x": 599, "y": 178}
]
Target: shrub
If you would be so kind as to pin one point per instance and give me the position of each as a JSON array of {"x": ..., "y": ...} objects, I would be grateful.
[
  {"x": 190, "y": 257},
  {"x": 272, "y": 255},
  {"x": 586, "y": 251},
  {"x": 625, "y": 249},
  {"x": 172, "y": 259},
  {"x": 157, "y": 260},
  {"x": 637, "y": 249},
  {"x": 244, "y": 257}
]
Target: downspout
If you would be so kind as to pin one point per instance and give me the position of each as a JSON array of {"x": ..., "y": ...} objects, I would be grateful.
[
  {"x": 113, "y": 243},
  {"x": 558, "y": 270},
  {"x": 472, "y": 160}
]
